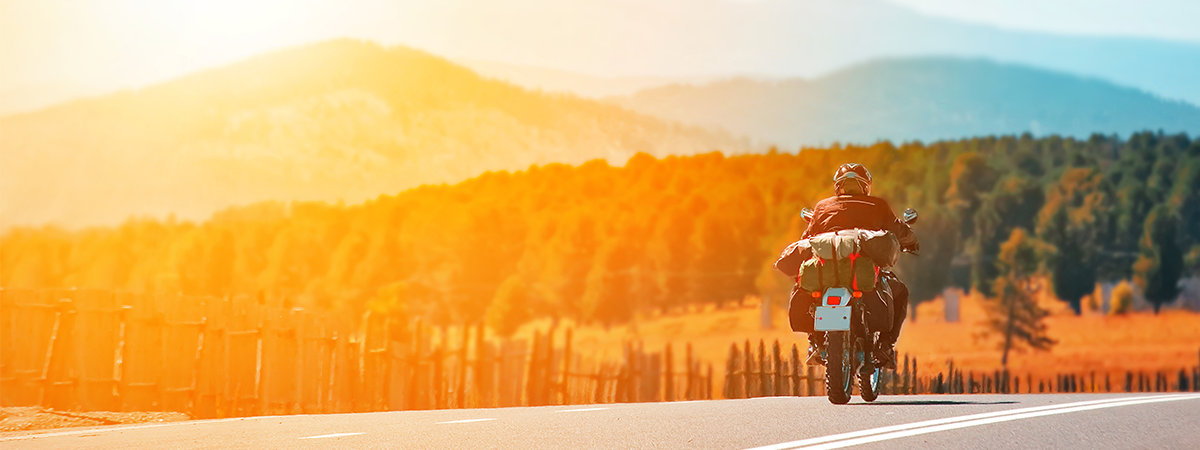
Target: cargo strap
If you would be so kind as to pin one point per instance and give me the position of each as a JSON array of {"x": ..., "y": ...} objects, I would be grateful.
[{"x": 837, "y": 277}]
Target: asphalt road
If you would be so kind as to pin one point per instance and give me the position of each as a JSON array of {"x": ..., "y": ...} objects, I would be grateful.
[{"x": 1092, "y": 421}]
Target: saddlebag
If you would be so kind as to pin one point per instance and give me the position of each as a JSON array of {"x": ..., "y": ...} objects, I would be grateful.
[{"x": 798, "y": 310}]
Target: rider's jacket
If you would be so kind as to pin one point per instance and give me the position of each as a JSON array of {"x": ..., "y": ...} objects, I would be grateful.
[{"x": 842, "y": 212}]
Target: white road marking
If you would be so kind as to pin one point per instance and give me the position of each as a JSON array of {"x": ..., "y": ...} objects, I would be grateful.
[
  {"x": 331, "y": 435},
  {"x": 581, "y": 409},
  {"x": 466, "y": 421},
  {"x": 951, "y": 423},
  {"x": 855, "y": 434}
]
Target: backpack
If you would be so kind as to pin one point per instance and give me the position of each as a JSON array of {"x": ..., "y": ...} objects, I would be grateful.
[{"x": 838, "y": 261}]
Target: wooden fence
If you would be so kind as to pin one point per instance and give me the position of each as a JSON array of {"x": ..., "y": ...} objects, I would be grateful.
[
  {"x": 98, "y": 350},
  {"x": 775, "y": 375}
]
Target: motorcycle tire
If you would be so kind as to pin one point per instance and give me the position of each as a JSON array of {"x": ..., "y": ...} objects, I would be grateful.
[
  {"x": 869, "y": 385},
  {"x": 839, "y": 373}
]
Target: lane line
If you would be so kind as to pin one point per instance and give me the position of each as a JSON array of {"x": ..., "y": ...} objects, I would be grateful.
[
  {"x": 975, "y": 423},
  {"x": 331, "y": 435},
  {"x": 466, "y": 421},
  {"x": 935, "y": 422},
  {"x": 116, "y": 428},
  {"x": 581, "y": 409}
]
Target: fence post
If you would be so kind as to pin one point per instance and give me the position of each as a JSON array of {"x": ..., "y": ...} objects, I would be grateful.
[
  {"x": 668, "y": 374},
  {"x": 731, "y": 366},
  {"x": 461, "y": 389},
  {"x": 411, "y": 398},
  {"x": 764, "y": 376},
  {"x": 747, "y": 377},
  {"x": 708, "y": 383},
  {"x": 436, "y": 381},
  {"x": 794, "y": 375},
  {"x": 812, "y": 378},
  {"x": 689, "y": 386},
  {"x": 531, "y": 384},
  {"x": 564, "y": 386},
  {"x": 48, "y": 378},
  {"x": 600, "y": 387},
  {"x": 777, "y": 371},
  {"x": 916, "y": 379},
  {"x": 547, "y": 370}
]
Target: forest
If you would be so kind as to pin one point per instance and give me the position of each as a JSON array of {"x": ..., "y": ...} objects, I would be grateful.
[{"x": 600, "y": 244}]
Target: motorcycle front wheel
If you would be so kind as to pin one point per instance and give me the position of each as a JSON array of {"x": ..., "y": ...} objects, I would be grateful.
[
  {"x": 839, "y": 369},
  {"x": 869, "y": 385}
]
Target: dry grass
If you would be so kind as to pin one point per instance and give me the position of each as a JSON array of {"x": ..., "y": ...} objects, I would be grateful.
[
  {"x": 38, "y": 418},
  {"x": 1091, "y": 342}
]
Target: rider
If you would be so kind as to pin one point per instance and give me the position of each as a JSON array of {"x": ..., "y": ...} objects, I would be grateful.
[{"x": 855, "y": 207}]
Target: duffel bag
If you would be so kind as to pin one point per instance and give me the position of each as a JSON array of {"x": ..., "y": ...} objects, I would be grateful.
[
  {"x": 838, "y": 261},
  {"x": 792, "y": 257},
  {"x": 856, "y": 272},
  {"x": 881, "y": 246}
]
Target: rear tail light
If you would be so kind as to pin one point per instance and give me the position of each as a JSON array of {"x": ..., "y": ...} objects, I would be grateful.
[{"x": 835, "y": 300}]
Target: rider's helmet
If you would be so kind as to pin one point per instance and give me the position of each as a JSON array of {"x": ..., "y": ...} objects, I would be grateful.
[{"x": 852, "y": 178}]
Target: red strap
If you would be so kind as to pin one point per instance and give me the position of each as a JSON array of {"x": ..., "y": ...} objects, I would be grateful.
[{"x": 853, "y": 273}]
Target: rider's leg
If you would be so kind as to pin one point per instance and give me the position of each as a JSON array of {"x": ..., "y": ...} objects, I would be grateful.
[
  {"x": 899, "y": 309},
  {"x": 886, "y": 354},
  {"x": 816, "y": 338}
]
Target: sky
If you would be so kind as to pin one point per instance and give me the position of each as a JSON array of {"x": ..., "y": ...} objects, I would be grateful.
[
  {"x": 53, "y": 50},
  {"x": 1160, "y": 19}
]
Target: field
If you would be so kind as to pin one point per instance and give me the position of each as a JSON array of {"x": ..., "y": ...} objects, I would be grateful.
[{"x": 1138, "y": 342}]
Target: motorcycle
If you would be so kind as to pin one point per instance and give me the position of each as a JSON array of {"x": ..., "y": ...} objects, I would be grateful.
[{"x": 849, "y": 342}]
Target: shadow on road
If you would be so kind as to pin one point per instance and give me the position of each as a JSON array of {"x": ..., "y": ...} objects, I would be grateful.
[{"x": 929, "y": 402}]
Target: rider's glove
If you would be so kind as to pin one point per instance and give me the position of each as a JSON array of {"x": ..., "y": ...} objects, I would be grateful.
[{"x": 915, "y": 247}]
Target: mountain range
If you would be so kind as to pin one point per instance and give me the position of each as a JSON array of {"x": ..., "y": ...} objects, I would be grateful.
[
  {"x": 634, "y": 40},
  {"x": 337, "y": 121},
  {"x": 348, "y": 120},
  {"x": 915, "y": 99},
  {"x": 765, "y": 38}
]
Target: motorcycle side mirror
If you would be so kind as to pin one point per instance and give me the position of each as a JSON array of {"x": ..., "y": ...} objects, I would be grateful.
[
  {"x": 910, "y": 216},
  {"x": 806, "y": 214}
]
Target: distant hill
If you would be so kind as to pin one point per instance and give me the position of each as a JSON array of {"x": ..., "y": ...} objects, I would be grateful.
[
  {"x": 342, "y": 120},
  {"x": 920, "y": 98},
  {"x": 550, "y": 80}
]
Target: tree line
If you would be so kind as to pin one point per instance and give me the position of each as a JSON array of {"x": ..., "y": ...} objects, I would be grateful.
[{"x": 598, "y": 244}]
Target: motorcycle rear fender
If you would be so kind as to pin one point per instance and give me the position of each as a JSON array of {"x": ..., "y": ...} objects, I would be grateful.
[{"x": 836, "y": 296}]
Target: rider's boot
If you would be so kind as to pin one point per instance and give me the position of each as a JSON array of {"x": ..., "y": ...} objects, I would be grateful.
[{"x": 885, "y": 357}]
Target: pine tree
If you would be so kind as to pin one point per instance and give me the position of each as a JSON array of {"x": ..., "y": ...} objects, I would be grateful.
[
  {"x": 1160, "y": 264},
  {"x": 1070, "y": 221},
  {"x": 1014, "y": 312}
]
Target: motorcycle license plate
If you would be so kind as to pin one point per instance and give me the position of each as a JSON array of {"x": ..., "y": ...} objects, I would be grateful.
[{"x": 831, "y": 318}]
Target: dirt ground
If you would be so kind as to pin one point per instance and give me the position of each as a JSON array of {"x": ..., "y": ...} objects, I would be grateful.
[{"x": 38, "y": 418}]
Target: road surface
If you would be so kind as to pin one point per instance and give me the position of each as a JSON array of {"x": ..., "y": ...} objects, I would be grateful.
[{"x": 1052, "y": 421}]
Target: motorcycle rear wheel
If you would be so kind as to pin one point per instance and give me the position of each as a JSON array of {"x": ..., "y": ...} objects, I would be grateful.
[{"x": 839, "y": 370}]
